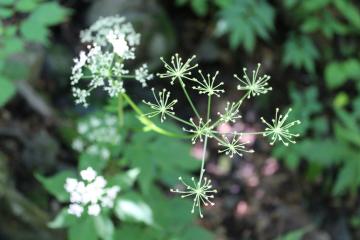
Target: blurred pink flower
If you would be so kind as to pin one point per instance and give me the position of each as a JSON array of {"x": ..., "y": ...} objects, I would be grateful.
[
  {"x": 224, "y": 128},
  {"x": 242, "y": 209},
  {"x": 248, "y": 174},
  {"x": 270, "y": 167},
  {"x": 197, "y": 151}
]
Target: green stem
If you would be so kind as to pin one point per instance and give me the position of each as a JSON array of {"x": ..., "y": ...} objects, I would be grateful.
[
  {"x": 202, "y": 170},
  {"x": 180, "y": 120},
  {"x": 189, "y": 99},
  {"x": 148, "y": 123},
  {"x": 121, "y": 110}
]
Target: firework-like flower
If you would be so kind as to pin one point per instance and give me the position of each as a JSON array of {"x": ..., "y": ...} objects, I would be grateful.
[
  {"x": 201, "y": 191},
  {"x": 235, "y": 146},
  {"x": 256, "y": 85},
  {"x": 162, "y": 106},
  {"x": 279, "y": 130},
  {"x": 200, "y": 130},
  {"x": 231, "y": 113},
  {"x": 177, "y": 69},
  {"x": 207, "y": 85}
]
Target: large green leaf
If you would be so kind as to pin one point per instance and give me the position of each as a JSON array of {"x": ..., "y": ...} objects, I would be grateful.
[
  {"x": 49, "y": 14},
  {"x": 55, "y": 184},
  {"x": 84, "y": 228},
  {"x": 7, "y": 91},
  {"x": 132, "y": 208},
  {"x": 104, "y": 227},
  {"x": 63, "y": 219},
  {"x": 32, "y": 30},
  {"x": 337, "y": 73}
]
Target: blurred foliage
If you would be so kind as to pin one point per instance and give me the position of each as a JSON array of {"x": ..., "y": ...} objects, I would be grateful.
[
  {"x": 152, "y": 214},
  {"x": 322, "y": 39},
  {"x": 23, "y": 22}
]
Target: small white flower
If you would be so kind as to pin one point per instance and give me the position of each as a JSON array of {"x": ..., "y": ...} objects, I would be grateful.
[
  {"x": 90, "y": 194},
  {"x": 119, "y": 43},
  {"x": 100, "y": 182},
  {"x": 71, "y": 184},
  {"x": 80, "y": 96},
  {"x": 88, "y": 174},
  {"x": 112, "y": 192},
  {"x": 142, "y": 75},
  {"x": 75, "y": 209},
  {"x": 94, "y": 209},
  {"x": 78, "y": 145},
  {"x": 115, "y": 87}
]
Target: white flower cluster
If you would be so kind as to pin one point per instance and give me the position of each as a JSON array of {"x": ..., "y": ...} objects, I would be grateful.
[
  {"x": 97, "y": 135},
  {"x": 90, "y": 193},
  {"x": 111, "y": 41}
]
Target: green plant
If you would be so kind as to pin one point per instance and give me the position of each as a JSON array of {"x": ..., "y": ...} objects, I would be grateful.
[
  {"x": 23, "y": 22},
  {"x": 203, "y": 128},
  {"x": 243, "y": 20}
]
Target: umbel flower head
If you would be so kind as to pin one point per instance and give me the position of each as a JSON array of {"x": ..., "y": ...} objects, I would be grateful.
[
  {"x": 90, "y": 193},
  {"x": 111, "y": 41},
  {"x": 256, "y": 85},
  {"x": 202, "y": 127},
  {"x": 162, "y": 106},
  {"x": 207, "y": 85},
  {"x": 233, "y": 147},
  {"x": 279, "y": 130},
  {"x": 202, "y": 192},
  {"x": 97, "y": 136},
  {"x": 177, "y": 69}
]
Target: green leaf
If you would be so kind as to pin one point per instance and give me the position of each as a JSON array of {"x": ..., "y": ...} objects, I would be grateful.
[
  {"x": 243, "y": 27},
  {"x": 7, "y": 90},
  {"x": 300, "y": 52},
  {"x": 125, "y": 180},
  {"x": 11, "y": 45},
  {"x": 83, "y": 229},
  {"x": 62, "y": 220},
  {"x": 349, "y": 11},
  {"x": 49, "y": 14},
  {"x": 195, "y": 232},
  {"x": 200, "y": 7},
  {"x": 6, "y": 12},
  {"x": 293, "y": 235},
  {"x": 89, "y": 160},
  {"x": 7, "y": 2},
  {"x": 131, "y": 208},
  {"x": 337, "y": 73},
  {"x": 55, "y": 184},
  {"x": 104, "y": 227},
  {"x": 135, "y": 231},
  {"x": 31, "y": 30},
  {"x": 25, "y": 5},
  {"x": 348, "y": 178}
]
